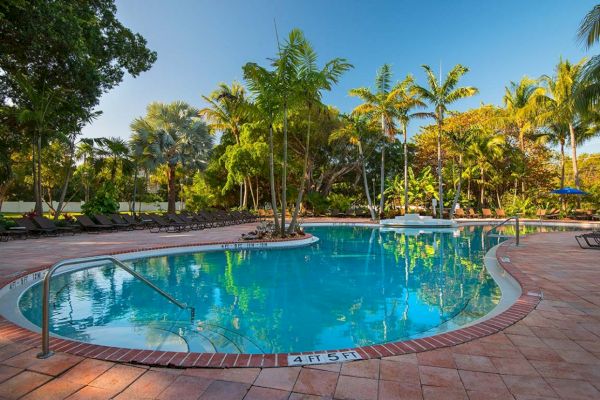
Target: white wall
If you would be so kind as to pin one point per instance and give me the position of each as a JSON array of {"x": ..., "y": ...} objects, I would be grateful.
[{"x": 26, "y": 206}]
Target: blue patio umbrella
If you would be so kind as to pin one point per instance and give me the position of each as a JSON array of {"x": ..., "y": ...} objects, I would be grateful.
[{"x": 568, "y": 190}]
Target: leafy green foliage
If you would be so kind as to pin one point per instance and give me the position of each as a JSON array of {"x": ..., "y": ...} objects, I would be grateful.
[{"x": 103, "y": 202}]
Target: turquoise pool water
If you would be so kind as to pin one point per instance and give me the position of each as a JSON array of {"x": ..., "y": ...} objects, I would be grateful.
[{"x": 356, "y": 286}]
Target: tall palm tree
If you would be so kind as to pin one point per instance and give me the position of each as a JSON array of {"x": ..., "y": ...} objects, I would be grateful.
[
  {"x": 558, "y": 104},
  {"x": 354, "y": 130},
  {"x": 312, "y": 81},
  {"x": 287, "y": 84},
  {"x": 440, "y": 95},
  {"x": 113, "y": 151},
  {"x": 460, "y": 139},
  {"x": 380, "y": 106},
  {"x": 520, "y": 105},
  {"x": 175, "y": 136},
  {"x": 228, "y": 110},
  {"x": 484, "y": 149},
  {"x": 264, "y": 85},
  {"x": 588, "y": 95},
  {"x": 407, "y": 101}
]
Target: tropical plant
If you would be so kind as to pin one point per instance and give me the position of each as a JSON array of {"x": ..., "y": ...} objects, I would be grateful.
[
  {"x": 380, "y": 105},
  {"x": 558, "y": 103},
  {"x": 440, "y": 95},
  {"x": 588, "y": 94},
  {"x": 174, "y": 135},
  {"x": 356, "y": 127},
  {"x": 264, "y": 85},
  {"x": 104, "y": 201},
  {"x": 407, "y": 101},
  {"x": 312, "y": 81}
]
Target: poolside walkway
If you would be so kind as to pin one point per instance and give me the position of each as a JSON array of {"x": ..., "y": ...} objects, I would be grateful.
[{"x": 552, "y": 353}]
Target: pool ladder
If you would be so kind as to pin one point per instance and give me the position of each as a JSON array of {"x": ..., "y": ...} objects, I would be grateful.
[
  {"x": 517, "y": 230},
  {"x": 46, "y": 294}
]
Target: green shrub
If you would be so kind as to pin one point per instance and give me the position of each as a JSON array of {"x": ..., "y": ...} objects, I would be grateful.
[
  {"x": 317, "y": 202},
  {"x": 103, "y": 202},
  {"x": 339, "y": 201}
]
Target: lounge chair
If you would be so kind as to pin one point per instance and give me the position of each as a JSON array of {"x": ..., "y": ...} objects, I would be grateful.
[
  {"x": 105, "y": 220},
  {"x": 90, "y": 226},
  {"x": 142, "y": 223},
  {"x": 178, "y": 219},
  {"x": 190, "y": 219},
  {"x": 589, "y": 240},
  {"x": 486, "y": 213},
  {"x": 202, "y": 219},
  {"x": 13, "y": 233},
  {"x": 459, "y": 213},
  {"x": 162, "y": 225},
  {"x": 500, "y": 213},
  {"x": 118, "y": 219},
  {"x": 45, "y": 223},
  {"x": 33, "y": 228},
  {"x": 472, "y": 213}
]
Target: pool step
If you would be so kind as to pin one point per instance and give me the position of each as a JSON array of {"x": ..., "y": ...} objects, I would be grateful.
[{"x": 206, "y": 337}]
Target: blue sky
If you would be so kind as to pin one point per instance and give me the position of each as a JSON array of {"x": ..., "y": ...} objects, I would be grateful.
[{"x": 202, "y": 43}]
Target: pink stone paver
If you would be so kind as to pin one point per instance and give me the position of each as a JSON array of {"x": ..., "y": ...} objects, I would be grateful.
[{"x": 551, "y": 353}]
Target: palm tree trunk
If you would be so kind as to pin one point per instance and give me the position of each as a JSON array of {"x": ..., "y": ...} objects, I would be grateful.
[
  {"x": 135, "y": 178},
  {"x": 574, "y": 156},
  {"x": 292, "y": 226},
  {"x": 405, "y": 171},
  {"x": 34, "y": 169},
  {"x": 171, "y": 195},
  {"x": 365, "y": 181},
  {"x": 482, "y": 194},
  {"x": 284, "y": 171},
  {"x": 562, "y": 173},
  {"x": 382, "y": 180},
  {"x": 272, "y": 179},
  {"x": 251, "y": 192},
  {"x": 38, "y": 199},
  {"x": 63, "y": 192},
  {"x": 439, "y": 160},
  {"x": 458, "y": 187}
]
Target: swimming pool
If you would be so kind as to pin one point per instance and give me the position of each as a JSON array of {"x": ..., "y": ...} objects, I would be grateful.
[{"x": 357, "y": 286}]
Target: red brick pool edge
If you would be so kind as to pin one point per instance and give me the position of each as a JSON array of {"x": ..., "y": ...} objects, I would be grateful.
[{"x": 530, "y": 297}]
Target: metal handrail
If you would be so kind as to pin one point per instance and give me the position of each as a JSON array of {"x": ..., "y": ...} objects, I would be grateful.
[
  {"x": 46, "y": 294},
  {"x": 517, "y": 234}
]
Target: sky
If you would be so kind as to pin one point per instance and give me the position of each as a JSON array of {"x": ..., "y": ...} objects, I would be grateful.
[{"x": 201, "y": 43}]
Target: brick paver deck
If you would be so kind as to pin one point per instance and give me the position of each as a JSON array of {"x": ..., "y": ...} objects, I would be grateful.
[{"x": 554, "y": 352}]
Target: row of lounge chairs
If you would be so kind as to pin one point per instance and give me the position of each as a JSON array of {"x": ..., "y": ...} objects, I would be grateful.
[
  {"x": 485, "y": 213},
  {"x": 41, "y": 226},
  {"x": 589, "y": 240}
]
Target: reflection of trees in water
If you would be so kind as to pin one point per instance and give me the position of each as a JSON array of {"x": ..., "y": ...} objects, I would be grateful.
[{"x": 359, "y": 283}]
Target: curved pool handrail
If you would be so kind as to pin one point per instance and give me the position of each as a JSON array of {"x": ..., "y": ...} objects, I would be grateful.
[
  {"x": 517, "y": 232},
  {"x": 46, "y": 294}
]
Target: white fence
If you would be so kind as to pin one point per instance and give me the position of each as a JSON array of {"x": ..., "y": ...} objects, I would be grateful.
[{"x": 75, "y": 206}]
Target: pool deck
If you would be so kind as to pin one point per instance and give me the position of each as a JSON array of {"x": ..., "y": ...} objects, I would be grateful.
[{"x": 554, "y": 352}]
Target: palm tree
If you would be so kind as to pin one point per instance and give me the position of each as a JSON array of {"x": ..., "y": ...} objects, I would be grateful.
[
  {"x": 354, "y": 130},
  {"x": 484, "y": 149},
  {"x": 558, "y": 104},
  {"x": 264, "y": 85},
  {"x": 407, "y": 101},
  {"x": 311, "y": 82},
  {"x": 440, "y": 95},
  {"x": 588, "y": 95},
  {"x": 520, "y": 105},
  {"x": 460, "y": 139},
  {"x": 287, "y": 95},
  {"x": 228, "y": 110},
  {"x": 174, "y": 135},
  {"x": 380, "y": 106},
  {"x": 113, "y": 151}
]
